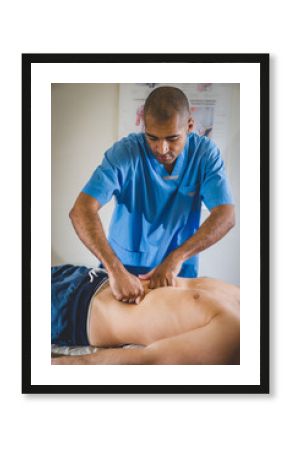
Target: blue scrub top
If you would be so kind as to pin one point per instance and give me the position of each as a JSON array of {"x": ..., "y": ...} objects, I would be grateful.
[{"x": 156, "y": 212}]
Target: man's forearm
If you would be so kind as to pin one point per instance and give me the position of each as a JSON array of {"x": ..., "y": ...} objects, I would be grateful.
[
  {"x": 220, "y": 221},
  {"x": 88, "y": 226},
  {"x": 89, "y": 229}
]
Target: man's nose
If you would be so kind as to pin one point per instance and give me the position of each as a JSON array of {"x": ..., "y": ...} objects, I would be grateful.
[{"x": 161, "y": 147}]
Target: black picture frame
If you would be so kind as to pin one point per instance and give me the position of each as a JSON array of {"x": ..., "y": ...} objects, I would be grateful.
[{"x": 263, "y": 61}]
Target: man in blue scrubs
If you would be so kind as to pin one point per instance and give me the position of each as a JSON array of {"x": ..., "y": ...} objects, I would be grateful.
[{"x": 159, "y": 179}]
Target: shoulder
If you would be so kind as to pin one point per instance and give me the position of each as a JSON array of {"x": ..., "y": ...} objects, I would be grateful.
[
  {"x": 202, "y": 146},
  {"x": 126, "y": 150}
]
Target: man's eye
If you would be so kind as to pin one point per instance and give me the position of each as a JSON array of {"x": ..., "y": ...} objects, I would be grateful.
[{"x": 175, "y": 138}]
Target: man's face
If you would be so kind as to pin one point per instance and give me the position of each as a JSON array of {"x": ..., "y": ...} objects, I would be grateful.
[{"x": 167, "y": 139}]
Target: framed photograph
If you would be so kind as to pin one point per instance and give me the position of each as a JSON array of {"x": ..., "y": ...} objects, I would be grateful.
[{"x": 168, "y": 155}]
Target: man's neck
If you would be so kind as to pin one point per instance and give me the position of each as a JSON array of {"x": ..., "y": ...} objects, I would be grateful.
[{"x": 169, "y": 167}]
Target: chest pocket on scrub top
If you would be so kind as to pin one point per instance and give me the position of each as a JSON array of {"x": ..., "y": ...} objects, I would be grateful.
[{"x": 188, "y": 198}]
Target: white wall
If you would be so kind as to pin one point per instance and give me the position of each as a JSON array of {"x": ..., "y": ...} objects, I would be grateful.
[
  {"x": 84, "y": 125},
  {"x": 222, "y": 260}
]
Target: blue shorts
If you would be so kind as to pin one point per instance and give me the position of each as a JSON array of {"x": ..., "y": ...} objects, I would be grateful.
[{"x": 72, "y": 288}]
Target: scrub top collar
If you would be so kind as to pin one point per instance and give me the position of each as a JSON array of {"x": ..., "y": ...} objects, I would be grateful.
[{"x": 180, "y": 162}]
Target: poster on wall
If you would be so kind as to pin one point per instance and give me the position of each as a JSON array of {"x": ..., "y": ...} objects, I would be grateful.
[
  {"x": 210, "y": 105},
  {"x": 119, "y": 328}
]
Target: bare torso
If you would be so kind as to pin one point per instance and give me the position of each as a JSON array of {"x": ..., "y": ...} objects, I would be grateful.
[{"x": 164, "y": 312}]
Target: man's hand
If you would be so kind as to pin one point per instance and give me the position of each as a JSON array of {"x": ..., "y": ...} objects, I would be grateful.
[
  {"x": 163, "y": 275},
  {"x": 126, "y": 287}
]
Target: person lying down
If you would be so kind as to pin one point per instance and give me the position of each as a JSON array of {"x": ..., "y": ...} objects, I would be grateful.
[{"x": 195, "y": 322}]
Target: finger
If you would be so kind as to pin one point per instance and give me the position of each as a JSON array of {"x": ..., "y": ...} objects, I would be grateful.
[
  {"x": 138, "y": 300},
  {"x": 173, "y": 282},
  {"x": 135, "y": 294},
  {"x": 163, "y": 283},
  {"x": 154, "y": 284},
  {"x": 169, "y": 280},
  {"x": 146, "y": 276},
  {"x": 141, "y": 292}
]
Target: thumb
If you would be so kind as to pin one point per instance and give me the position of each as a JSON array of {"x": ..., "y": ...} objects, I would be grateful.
[{"x": 147, "y": 275}]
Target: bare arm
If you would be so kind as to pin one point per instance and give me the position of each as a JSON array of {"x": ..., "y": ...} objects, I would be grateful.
[
  {"x": 88, "y": 226},
  {"x": 220, "y": 221},
  {"x": 218, "y": 342},
  {"x": 215, "y": 227}
]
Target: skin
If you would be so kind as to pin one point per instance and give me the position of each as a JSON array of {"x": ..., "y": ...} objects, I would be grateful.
[
  {"x": 88, "y": 226},
  {"x": 196, "y": 322},
  {"x": 166, "y": 140}
]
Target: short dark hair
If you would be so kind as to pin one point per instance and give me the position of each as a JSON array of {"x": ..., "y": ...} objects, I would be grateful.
[{"x": 165, "y": 102}]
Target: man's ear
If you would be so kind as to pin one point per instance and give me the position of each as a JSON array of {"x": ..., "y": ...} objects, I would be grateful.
[{"x": 190, "y": 125}]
